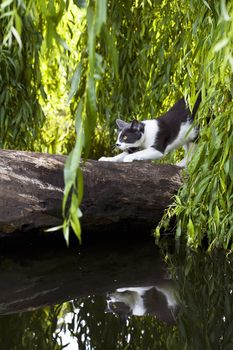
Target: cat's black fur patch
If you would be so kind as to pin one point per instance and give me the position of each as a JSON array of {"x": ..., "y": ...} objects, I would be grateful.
[
  {"x": 130, "y": 135},
  {"x": 132, "y": 132},
  {"x": 133, "y": 149},
  {"x": 170, "y": 123}
]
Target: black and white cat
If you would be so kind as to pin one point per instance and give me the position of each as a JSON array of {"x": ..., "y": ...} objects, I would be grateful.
[
  {"x": 158, "y": 300},
  {"x": 152, "y": 139}
]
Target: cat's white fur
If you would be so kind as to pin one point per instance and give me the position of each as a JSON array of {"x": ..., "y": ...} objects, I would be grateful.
[
  {"x": 186, "y": 134},
  {"x": 133, "y": 297}
]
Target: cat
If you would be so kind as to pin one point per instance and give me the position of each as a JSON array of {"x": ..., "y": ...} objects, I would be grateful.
[
  {"x": 158, "y": 300},
  {"x": 152, "y": 139}
]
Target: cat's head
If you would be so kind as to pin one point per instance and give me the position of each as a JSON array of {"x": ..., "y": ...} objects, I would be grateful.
[
  {"x": 131, "y": 135},
  {"x": 120, "y": 303}
]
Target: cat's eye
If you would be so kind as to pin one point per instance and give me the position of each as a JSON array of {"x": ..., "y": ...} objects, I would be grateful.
[{"x": 125, "y": 138}]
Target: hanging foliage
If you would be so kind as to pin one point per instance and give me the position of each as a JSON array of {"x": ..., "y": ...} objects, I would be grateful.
[
  {"x": 162, "y": 56},
  {"x": 88, "y": 63},
  {"x": 20, "y": 80},
  {"x": 203, "y": 206}
]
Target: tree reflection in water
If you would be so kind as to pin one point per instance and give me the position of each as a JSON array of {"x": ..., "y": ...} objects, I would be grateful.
[
  {"x": 204, "y": 288},
  {"x": 31, "y": 330},
  {"x": 95, "y": 329}
]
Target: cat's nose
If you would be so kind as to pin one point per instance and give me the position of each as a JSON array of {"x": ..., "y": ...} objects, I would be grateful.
[{"x": 118, "y": 144}]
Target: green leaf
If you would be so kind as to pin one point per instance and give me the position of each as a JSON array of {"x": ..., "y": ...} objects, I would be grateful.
[
  {"x": 112, "y": 50},
  {"x": 55, "y": 228},
  {"x": 75, "y": 223},
  {"x": 61, "y": 41},
  {"x": 224, "y": 11},
  {"x": 80, "y": 186},
  {"x": 66, "y": 232},
  {"x": 101, "y": 14},
  {"x": 75, "y": 81},
  {"x": 73, "y": 160},
  {"x": 5, "y": 3},
  {"x": 18, "y": 23},
  {"x": 216, "y": 215},
  {"x": 17, "y": 37},
  {"x": 231, "y": 168},
  {"x": 91, "y": 39},
  {"x": 221, "y": 44},
  {"x": 191, "y": 228}
]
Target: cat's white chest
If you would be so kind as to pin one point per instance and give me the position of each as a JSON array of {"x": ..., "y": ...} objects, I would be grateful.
[{"x": 151, "y": 132}]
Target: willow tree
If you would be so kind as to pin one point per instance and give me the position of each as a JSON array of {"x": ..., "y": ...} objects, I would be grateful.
[{"x": 129, "y": 59}]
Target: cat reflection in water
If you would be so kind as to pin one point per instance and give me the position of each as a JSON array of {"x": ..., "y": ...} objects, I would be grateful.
[
  {"x": 153, "y": 139},
  {"x": 158, "y": 300}
]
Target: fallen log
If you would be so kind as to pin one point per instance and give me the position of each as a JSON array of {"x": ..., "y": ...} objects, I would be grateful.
[{"x": 116, "y": 195}]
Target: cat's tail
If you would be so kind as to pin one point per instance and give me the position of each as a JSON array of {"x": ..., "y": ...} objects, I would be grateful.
[{"x": 196, "y": 105}]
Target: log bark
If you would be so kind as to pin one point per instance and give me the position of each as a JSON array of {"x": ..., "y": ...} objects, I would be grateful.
[{"x": 116, "y": 195}]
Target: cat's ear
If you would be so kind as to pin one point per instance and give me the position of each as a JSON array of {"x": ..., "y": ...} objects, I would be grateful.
[
  {"x": 121, "y": 124},
  {"x": 135, "y": 124}
]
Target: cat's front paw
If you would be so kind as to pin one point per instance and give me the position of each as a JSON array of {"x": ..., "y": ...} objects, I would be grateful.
[
  {"x": 104, "y": 159},
  {"x": 129, "y": 158}
]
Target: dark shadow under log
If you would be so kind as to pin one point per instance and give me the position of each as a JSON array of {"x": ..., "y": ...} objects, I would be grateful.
[
  {"x": 116, "y": 195},
  {"x": 37, "y": 278}
]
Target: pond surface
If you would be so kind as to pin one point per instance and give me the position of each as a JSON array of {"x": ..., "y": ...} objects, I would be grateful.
[{"x": 123, "y": 295}]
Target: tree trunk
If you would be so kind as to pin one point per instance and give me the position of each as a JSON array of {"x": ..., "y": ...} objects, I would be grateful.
[{"x": 116, "y": 195}]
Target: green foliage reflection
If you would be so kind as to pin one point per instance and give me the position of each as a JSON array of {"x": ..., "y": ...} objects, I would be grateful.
[
  {"x": 30, "y": 330},
  {"x": 205, "y": 289},
  {"x": 95, "y": 329}
]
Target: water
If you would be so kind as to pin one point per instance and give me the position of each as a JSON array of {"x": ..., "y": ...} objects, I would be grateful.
[{"x": 94, "y": 297}]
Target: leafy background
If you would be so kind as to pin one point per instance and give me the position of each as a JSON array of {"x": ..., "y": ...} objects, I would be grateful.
[{"x": 70, "y": 68}]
